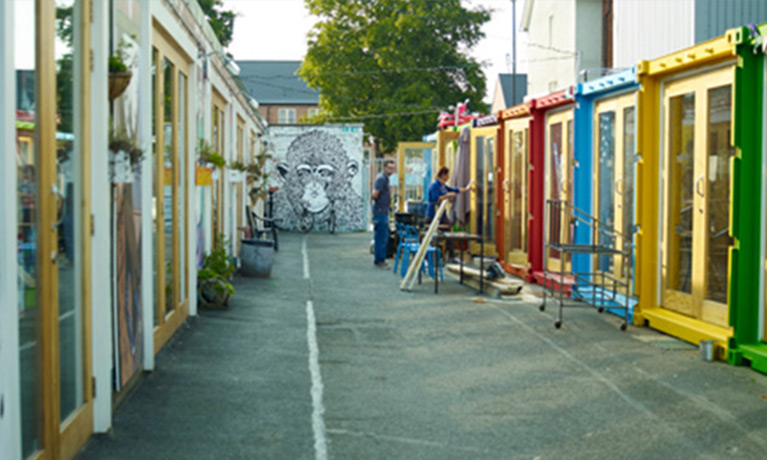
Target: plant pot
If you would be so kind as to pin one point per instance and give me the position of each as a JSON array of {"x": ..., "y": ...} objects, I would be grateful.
[
  {"x": 118, "y": 82},
  {"x": 257, "y": 258},
  {"x": 212, "y": 293}
]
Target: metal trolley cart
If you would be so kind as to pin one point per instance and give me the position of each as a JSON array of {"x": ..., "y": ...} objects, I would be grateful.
[{"x": 601, "y": 289}]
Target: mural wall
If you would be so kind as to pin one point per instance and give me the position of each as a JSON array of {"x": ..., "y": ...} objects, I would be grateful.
[{"x": 316, "y": 168}]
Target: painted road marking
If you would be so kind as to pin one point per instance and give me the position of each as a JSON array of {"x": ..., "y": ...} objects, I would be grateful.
[{"x": 318, "y": 410}]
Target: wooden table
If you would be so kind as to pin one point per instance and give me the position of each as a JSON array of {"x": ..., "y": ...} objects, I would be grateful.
[{"x": 462, "y": 237}]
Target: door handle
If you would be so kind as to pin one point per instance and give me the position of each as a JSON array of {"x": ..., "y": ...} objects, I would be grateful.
[
  {"x": 506, "y": 185},
  {"x": 61, "y": 208},
  {"x": 619, "y": 186},
  {"x": 698, "y": 182}
]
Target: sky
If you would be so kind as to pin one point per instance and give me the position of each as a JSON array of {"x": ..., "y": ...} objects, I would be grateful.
[{"x": 276, "y": 30}]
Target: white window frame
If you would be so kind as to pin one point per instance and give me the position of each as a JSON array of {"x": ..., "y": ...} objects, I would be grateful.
[{"x": 286, "y": 116}]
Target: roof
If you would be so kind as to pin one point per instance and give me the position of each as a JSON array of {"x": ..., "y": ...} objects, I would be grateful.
[
  {"x": 277, "y": 82},
  {"x": 508, "y": 83}
]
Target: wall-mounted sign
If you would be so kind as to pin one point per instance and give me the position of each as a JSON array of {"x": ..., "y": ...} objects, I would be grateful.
[{"x": 204, "y": 176}]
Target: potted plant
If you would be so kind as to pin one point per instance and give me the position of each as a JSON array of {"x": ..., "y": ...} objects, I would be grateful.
[
  {"x": 213, "y": 279},
  {"x": 120, "y": 141},
  {"x": 119, "y": 73}
]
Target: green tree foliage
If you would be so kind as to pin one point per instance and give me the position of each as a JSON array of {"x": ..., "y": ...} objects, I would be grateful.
[
  {"x": 393, "y": 64},
  {"x": 220, "y": 20},
  {"x": 65, "y": 70}
]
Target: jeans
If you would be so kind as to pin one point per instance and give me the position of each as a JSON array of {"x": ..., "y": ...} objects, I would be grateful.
[{"x": 381, "y": 236}]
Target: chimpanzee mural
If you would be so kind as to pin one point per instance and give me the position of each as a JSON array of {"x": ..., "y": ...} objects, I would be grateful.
[{"x": 316, "y": 190}]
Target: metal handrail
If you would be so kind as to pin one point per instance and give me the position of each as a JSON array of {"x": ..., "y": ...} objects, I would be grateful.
[{"x": 590, "y": 221}]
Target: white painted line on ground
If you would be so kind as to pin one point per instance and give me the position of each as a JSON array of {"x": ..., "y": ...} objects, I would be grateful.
[
  {"x": 598, "y": 376},
  {"x": 404, "y": 440},
  {"x": 306, "y": 258},
  {"x": 318, "y": 410},
  {"x": 633, "y": 403}
]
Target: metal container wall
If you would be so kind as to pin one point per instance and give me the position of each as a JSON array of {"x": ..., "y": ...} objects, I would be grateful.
[
  {"x": 747, "y": 293},
  {"x": 694, "y": 66},
  {"x": 539, "y": 108}
]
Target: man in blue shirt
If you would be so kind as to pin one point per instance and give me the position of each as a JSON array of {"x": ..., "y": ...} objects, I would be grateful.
[
  {"x": 381, "y": 203},
  {"x": 439, "y": 191}
]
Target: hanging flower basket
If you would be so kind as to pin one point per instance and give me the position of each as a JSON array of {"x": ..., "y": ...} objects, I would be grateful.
[{"x": 118, "y": 82}]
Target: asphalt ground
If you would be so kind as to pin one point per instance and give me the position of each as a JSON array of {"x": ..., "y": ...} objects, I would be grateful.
[{"x": 412, "y": 375}]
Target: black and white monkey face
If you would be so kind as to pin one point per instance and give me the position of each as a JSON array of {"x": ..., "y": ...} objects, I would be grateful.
[
  {"x": 317, "y": 171},
  {"x": 314, "y": 180}
]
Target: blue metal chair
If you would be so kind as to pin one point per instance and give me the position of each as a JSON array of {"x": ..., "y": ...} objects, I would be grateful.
[{"x": 408, "y": 244}]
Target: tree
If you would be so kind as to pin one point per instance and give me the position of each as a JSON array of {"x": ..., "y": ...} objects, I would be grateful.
[
  {"x": 220, "y": 20},
  {"x": 394, "y": 64}
]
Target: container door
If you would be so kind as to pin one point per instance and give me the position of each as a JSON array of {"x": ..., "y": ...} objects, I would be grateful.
[
  {"x": 411, "y": 171},
  {"x": 170, "y": 132},
  {"x": 516, "y": 191},
  {"x": 53, "y": 129},
  {"x": 696, "y": 232},
  {"x": 614, "y": 158},
  {"x": 559, "y": 174}
]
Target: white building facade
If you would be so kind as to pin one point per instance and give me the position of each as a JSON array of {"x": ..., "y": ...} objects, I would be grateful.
[{"x": 107, "y": 208}]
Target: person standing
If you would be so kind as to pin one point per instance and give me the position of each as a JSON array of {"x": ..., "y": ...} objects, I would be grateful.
[
  {"x": 381, "y": 203},
  {"x": 439, "y": 191}
]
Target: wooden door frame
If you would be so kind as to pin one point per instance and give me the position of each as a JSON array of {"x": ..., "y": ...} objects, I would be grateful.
[
  {"x": 518, "y": 257},
  {"x": 485, "y": 132},
  {"x": 401, "y": 148},
  {"x": 695, "y": 305},
  {"x": 167, "y": 48},
  {"x": 62, "y": 438},
  {"x": 560, "y": 115},
  {"x": 616, "y": 104}
]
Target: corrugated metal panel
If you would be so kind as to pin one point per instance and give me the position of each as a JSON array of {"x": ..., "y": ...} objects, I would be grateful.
[
  {"x": 714, "y": 17},
  {"x": 646, "y": 29}
]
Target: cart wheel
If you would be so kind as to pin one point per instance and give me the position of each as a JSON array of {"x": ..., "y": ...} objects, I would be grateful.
[
  {"x": 623, "y": 327},
  {"x": 601, "y": 309},
  {"x": 558, "y": 324},
  {"x": 542, "y": 307}
]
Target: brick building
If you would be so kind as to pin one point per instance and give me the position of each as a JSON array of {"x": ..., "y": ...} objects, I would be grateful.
[{"x": 283, "y": 97}]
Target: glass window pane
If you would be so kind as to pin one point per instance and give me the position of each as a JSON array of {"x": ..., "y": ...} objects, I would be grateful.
[
  {"x": 67, "y": 224},
  {"x": 490, "y": 192},
  {"x": 182, "y": 174},
  {"x": 155, "y": 184},
  {"x": 169, "y": 180},
  {"x": 479, "y": 180},
  {"x": 720, "y": 151},
  {"x": 517, "y": 170},
  {"x": 630, "y": 159},
  {"x": 24, "y": 38},
  {"x": 680, "y": 201},
  {"x": 606, "y": 179},
  {"x": 555, "y": 183}
]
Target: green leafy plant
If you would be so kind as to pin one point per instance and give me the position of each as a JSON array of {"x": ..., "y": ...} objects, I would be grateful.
[
  {"x": 116, "y": 64},
  {"x": 214, "y": 286},
  {"x": 120, "y": 141},
  {"x": 238, "y": 166},
  {"x": 117, "y": 60},
  {"x": 206, "y": 155}
]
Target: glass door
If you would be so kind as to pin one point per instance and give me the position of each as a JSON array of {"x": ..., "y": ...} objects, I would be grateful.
[
  {"x": 559, "y": 176},
  {"x": 614, "y": 182},
  {"x": 696, "y": 233},
  {"x": 515, "y": 191},
  {"x": 170, "y": 100},
  {"x": 411, "y": 171},
  {"x": 53, "y": 129},
  {"x": 218, "y": 134}
]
